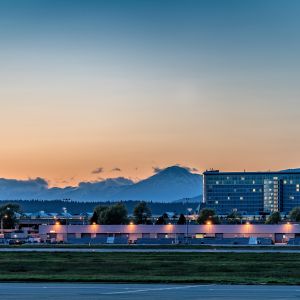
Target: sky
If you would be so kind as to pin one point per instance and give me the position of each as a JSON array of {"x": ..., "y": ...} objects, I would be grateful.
[{"x": 97, "y": 89}]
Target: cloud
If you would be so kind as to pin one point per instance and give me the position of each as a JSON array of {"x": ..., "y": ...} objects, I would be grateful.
[
  {"x": 26, "y": 189},
  {"x": 98, "y": 170},
  {"x": 191, "y": 170},
  {"x": 116, "y": 169},
  {"x": 188, "y": 168},
  {"x": 157, "y": 169}
]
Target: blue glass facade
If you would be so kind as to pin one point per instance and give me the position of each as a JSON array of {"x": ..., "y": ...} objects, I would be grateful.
[{"x": 251, "y": 192}]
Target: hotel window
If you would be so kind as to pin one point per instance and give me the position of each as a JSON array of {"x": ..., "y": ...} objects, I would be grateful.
[
  {"x": 253, "y": 182},
  {"x": 242, "y": 178},
  {"x": 217, "y": 202},
  {"x": 284, "y": 182},
  {"x": 253, "y": 190},
  {"x": 241, "y": 198},
  {"x": 217, "y": 182},
  {"x": 228, "y": 198},
  {"x": 292, "y": 197}
]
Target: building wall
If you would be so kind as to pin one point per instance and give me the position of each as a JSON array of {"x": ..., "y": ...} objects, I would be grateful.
[
  {"x": 162, "y": 231},
  {"x": 251, "y": 192}
]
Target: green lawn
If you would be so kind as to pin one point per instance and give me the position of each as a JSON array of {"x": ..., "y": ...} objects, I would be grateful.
[
  {"x": 175, "y": 246},
  {"x": 248, "y": 268}
]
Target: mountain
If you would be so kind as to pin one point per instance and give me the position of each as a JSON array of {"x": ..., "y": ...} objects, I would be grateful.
[
  {"x": 166, "y": 185},
  {"x": 291, "y": 170}
]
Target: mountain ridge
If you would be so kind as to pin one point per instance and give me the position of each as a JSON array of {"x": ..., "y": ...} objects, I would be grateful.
[{"x": 167, "y": 185}]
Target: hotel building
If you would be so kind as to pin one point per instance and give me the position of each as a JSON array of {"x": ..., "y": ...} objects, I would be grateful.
[{"x": 251, "y": 192}]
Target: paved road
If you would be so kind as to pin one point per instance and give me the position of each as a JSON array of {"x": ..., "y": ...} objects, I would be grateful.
[
  {"x": 60, "y": 291},
  {"x": 105, "y": 250}
]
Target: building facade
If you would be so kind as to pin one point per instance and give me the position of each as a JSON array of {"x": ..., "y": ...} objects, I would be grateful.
[
  {"x": 251, "y": 192},
  {"x": 132, "y": 233}
]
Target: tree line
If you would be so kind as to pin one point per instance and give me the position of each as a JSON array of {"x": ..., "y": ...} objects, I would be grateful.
[{"x": 117, "y": 214}]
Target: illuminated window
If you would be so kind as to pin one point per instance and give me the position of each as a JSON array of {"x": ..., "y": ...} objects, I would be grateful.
[
  {"x": 241, "y": 198},
  {"x": 217, "y": 202},
  {"x": 254, "y": 190}
]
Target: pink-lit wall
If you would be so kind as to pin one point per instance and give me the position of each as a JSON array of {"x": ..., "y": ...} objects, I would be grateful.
[{"x": 246, "y": 229}]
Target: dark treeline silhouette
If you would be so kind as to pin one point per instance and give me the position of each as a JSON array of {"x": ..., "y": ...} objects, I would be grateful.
[{"x": 75, "y": 207}]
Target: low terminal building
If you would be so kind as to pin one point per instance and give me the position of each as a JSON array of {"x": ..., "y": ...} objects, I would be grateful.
[{"x": 195, "y": 234}]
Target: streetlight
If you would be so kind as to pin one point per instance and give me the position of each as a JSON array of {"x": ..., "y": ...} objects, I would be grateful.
[
  {"x": 4, "y": 217},
  {"x": 187, "y": 223}
]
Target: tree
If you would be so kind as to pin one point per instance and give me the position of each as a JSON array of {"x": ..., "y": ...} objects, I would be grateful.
[
  {"x": 295, "y": 214},
  {"x": 274, "y": 218},
  {"x": 234, "y": 218},
  {"x": 98, "y": 214},
  {"x": 114, "y": 215},
  {"x": 142, "y": 213},
  {"x": 181, "y": 220},
  {"x": 8, "y": 214},
  {"x": 208, "y": 215},
  {"x": 162, "y": 220}
]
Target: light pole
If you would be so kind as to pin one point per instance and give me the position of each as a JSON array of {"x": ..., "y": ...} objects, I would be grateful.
[
  {"x": 4, "y": 217},
  {"x": 66, "y": 220},
  {"x": 187, "y": 224}
]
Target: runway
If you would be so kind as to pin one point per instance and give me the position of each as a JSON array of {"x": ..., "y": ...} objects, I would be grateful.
[{"x": 60, "y": 291}]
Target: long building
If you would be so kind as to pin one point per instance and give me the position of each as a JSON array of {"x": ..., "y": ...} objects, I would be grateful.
[
  {"x": 251, "y": 192},
  {"x": 196, "y": 233}
]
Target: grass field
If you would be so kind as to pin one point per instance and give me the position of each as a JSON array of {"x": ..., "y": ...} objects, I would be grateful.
[
  {"x": 248, "y": 268},
  {"x": 175, "y": 246}
]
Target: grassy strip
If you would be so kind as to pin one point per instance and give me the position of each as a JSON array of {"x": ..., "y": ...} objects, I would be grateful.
[
  {"x": 177, "y": 246},
  {"x": 242, "y": 268}
]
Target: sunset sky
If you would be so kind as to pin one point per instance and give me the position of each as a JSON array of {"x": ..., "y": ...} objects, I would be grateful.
[{"x": 97, "y": 89}]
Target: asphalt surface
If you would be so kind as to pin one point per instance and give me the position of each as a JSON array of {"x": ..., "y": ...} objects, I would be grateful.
[
  {"x": 59, "y": 291},
  {"x": 108, "y": 250}
]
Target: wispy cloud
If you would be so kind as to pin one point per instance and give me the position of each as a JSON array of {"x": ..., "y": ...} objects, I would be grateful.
[
  {"x": 157, "y": 169},
  {"x": 188, "y": 168},
  {"x": 116, "y": 169},
  {"x": 98, "y": 170}
]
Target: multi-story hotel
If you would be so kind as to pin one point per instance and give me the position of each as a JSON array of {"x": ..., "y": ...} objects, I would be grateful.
[{"x": 251, "y": 192}]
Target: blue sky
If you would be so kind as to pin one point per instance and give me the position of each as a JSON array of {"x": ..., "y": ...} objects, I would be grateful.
[{"x": 137, "y": 84}]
